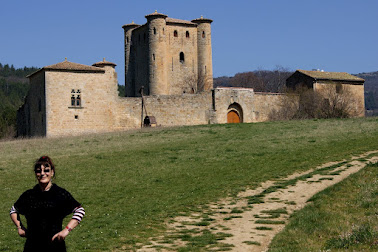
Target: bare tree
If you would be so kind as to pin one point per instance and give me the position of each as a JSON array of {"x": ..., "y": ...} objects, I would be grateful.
[
  {"x": 194, "y": 84},
  {"x": 326, "y": 102}
]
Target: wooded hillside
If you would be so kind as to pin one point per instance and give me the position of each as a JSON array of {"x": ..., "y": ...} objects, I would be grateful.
[{"x": 13, "y": 88}]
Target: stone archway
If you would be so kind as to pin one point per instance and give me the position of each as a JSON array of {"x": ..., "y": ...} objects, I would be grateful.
[{"x": 234, "y": 113}]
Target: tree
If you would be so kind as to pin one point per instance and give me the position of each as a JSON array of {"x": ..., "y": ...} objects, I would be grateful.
[{"x": 326, "y": 102}]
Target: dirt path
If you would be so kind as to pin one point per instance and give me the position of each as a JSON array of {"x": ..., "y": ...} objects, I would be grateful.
[{"x": 249, "y": 221}]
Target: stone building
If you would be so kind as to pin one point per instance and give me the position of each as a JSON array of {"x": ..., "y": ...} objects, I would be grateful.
[
  {"x": 168, "y": 56},
  {"x": 171, "y": 58},
  {"x": 334, "y": 87}
]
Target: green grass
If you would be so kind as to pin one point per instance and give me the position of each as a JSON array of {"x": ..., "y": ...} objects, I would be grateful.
[
  {"x": 343, "y": 216},
  {"x": 130, "y": 183}
]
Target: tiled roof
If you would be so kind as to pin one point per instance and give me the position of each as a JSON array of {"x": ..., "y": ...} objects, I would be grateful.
[
  {"x": 202, "y": 20},
  {"x": 70, "y": 66},
  {"x": 178, "y": 21},
  {"x": 340, "y": 76},
  {"x": 156, "y": 14},
  {"x": 132, "y": 25},
  {"x": 104, "y": 63}
]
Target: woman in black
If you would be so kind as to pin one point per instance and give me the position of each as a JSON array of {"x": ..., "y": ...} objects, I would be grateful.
[{"x": 45, "y": 206}]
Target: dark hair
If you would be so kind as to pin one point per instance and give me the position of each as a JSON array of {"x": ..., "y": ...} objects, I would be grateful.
[{"x": 46, "y": 162}]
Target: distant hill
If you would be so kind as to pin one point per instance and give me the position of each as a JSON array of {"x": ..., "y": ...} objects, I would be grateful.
[{"x": 371, "y": 90}]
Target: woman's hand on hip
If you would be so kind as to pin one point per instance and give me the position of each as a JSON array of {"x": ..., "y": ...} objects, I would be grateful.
[
  {"x": 21, "y": 232},
  {"x": 61, "y": 235}
]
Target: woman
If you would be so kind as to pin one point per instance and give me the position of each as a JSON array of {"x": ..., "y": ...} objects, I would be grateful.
[{"x": 45, "y": 206}]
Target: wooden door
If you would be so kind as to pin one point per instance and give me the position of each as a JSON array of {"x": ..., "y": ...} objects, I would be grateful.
[{"x": 233, "y": 117}]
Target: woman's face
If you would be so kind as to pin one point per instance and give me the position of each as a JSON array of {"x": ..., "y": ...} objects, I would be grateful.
[{"x": 44, "y": 174}]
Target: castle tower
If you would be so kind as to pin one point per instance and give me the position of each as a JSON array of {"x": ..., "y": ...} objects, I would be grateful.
[
  {"x": 129, "y": 81},
  {"x": 157, "y": 52},
  {"x": 109, "y": 68},
  {"x": 205, "y": 66}
]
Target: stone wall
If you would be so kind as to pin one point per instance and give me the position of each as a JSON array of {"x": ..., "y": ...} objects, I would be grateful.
[
  {"x": 265, "y": 104},
  {"x": 182, "y": 74},
  {"x": 96, "y": 113},
  {"x": 31, "y": 117},
  {"x": 349, "y": 95}
]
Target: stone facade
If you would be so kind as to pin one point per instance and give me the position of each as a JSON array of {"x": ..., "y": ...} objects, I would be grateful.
[
  {"x": 334, "y": 87},
  {"x": 168, "y": 56},
  {"x": 171, "y": 58}
]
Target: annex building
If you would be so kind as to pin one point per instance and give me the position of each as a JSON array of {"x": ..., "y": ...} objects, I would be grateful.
[{"x": 167, "y": 60}]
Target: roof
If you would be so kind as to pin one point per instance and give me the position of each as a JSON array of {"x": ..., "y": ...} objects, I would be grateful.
[
  {"x": 202, "y": 20},
  {"x": 104, "y": 63},
  {"x": 179, "y": 21},
  {"x": 156, "y": 14},
  {"x": 132, "y": 25},
  {"x": 337, "y": 76},
  {"x": 70, "y": 67}
]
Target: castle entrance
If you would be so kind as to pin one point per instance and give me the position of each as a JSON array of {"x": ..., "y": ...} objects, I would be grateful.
[
  {"x": 234, "y": 113},
  {"x": 233, "y": 117}
]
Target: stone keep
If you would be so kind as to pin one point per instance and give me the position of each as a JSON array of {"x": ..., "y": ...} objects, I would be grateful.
[{"x": 168, "y": 56}]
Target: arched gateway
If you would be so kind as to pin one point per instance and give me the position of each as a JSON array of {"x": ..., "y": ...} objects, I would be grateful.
[{"x": 234, "y": 113}]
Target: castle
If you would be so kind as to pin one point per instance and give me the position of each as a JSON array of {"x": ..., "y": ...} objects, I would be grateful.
[
  {"x": 168, "y": 56},
  {"x": 168, "y": 78}
]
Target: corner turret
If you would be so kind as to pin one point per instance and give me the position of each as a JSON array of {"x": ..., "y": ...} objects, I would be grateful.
[
  {"x": 128, "y": 28},
  {"x": 157, "y": 52},
  {"x": 205, "y": 66}
]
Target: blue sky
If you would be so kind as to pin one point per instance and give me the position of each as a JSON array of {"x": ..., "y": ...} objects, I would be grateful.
[{"x": 333, "y": 35}]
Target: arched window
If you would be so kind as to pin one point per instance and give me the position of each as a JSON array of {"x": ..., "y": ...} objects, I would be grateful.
[
  {"x": 182, "y": 57},
  {"x": 203, "y": 34},
  {"x": 72, "y": 100},
  {"x": 187, "y": 34},
  {"x": 175, "y": 34},
  {"x": 78, "y": 101}
]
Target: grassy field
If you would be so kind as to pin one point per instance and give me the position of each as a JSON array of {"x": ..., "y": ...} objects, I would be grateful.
[
  {"x": 349, "y": 223},
  {"x": 131, "y": 182}
]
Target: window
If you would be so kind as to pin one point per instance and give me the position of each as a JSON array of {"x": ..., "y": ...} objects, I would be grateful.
[
  {"x": 153, "y": 57},
  {"x": 75, "y": 98},
  {"x": 187, "y": 34},
  {"x": 182, "y": 57},
  {"x": 73, "y": 101},
  {"x": 78, "y": 101},
  {"x": 175, "y": 34},
  {"x": 339, "y": 89},
  {"x": 203, "y": 34},
  {"x": 154, "y": 30}
]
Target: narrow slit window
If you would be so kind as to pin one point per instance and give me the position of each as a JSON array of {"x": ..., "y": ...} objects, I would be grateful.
[
  {"x": 175, "y": 33},
  {"x": 154, "y": 30},
  {"x": 182, "y": 57},
  {"x": 203, "y": 34},
  {"x": 187, "y": 34}
]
